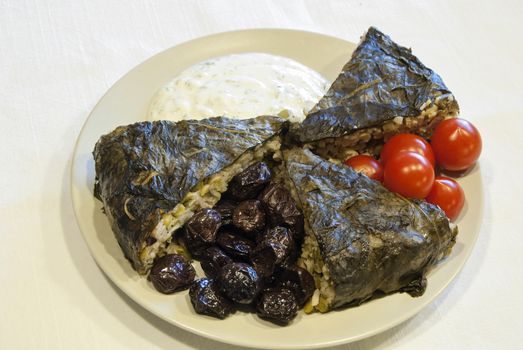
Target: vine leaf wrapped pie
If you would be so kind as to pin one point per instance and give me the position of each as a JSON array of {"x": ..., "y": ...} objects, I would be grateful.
[
  {"x": 383, "y": 90},
  {"x": 152, "y": 176},
  {"x": 363, "y": 241}
]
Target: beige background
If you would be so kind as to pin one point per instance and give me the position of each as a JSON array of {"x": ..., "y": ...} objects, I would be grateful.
[{"x": 57, "y": 58}]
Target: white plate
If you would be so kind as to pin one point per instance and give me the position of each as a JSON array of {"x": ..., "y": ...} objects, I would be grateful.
[{"x": 127, "y": 101}]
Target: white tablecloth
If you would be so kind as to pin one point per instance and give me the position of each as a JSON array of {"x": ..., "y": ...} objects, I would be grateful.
[{"x": 57, "y": 58}]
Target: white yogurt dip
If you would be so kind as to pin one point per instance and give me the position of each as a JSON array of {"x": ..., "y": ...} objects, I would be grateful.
[{"x": 240, "y": 86}]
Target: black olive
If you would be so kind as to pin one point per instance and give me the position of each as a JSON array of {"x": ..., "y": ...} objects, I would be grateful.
[
  {"x": 207, "y": 299},
  {"x": 249, "y": 216},
  {"x": 171, "y": 273},
  {"x": 281, "y": 239},
  {"x": 272, "y": 250},
  {"x": 235, "y": 245},
  {"x": 239, "y": 282},
  {"x": 213, "y": 259},
  {"x": 299, "y": 281},
  {"x": 281, "y": 209},
  {"x": 264, "y": 261},
  {"x": 225, "y": 208},
  {"x": 290, "y": 260},
  {"x": 250, "y": 182},
  {"x": 201, "y": 229},
  {"x": 277, "y": 305}
]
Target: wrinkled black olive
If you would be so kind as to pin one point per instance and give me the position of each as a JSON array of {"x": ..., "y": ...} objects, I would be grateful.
[
  {"x": 239, "y": 282},
  {"x": 249, "y": 216},
  {"x": 235, "y": 245},
  {"x": 279, "y": 237},
  {"x": 290, "y": 260},
  {"x": 275, "y": 245},
  {"x": 264, "y": 261},
  {"x": 225, "y": 208},
  {"x": 281, "y": 209},
  {"x": 171, "y": 273},
  {"x": 207, "y": 299},
  {"x": 277, "y": 305},
  {"x": 201, "y": 229},
  {"x": 250, "y": 182},
  {"x": 212, "y": 260},
  {"x": 299, "y": 281}
]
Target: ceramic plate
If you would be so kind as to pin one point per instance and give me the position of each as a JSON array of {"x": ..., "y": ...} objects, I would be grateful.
[{"x": 127, "y": 102}]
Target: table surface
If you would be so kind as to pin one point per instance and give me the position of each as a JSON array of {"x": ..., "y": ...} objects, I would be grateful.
[{"x": 57, "y": 58}]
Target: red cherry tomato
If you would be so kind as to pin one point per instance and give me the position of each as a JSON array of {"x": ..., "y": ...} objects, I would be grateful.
[
  {"x": 407, "y": 143},
  {"x": 409, "y": 174},
  {"x": 448, "y": 195},
  {"x": 367, "y": 165},
  {"x": 456, "y": 144}
]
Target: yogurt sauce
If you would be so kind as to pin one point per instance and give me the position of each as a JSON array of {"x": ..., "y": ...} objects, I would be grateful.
[{"x": 240, "y": 86}]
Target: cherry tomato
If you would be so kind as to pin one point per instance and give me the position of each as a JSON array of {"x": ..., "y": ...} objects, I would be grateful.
[
  {"x": 448, "y": 195},
  {"x": 409, "y": 174},
  {"x": 367, "y": 165},
  {"x": 456, "y": 144},
  {"x": 407, "y": 142}
]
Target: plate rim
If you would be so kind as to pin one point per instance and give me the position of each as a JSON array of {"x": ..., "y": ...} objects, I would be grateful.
[{"x": 313, "y": 345}]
